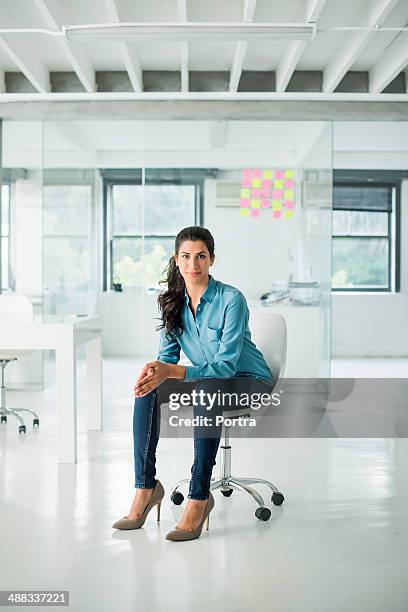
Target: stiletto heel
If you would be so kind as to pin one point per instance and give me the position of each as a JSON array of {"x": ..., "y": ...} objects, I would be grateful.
[
  {"x": 180, "y": 535},
  {"x": 155, "y": 500}
]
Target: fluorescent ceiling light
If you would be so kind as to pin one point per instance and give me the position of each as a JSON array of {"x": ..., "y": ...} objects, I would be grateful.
[{"x": 190, "y": 31}]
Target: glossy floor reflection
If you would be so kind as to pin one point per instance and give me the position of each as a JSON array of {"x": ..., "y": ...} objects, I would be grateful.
[{"x": 340, "y": 541}]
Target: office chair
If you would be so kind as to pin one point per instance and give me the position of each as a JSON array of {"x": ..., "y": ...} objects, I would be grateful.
[
  {"x": 14, "y": 308},
  {"x": 269, "y": 333}
]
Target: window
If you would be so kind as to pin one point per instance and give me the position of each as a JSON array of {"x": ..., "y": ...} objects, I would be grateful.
[
  {"x": 142, "y": 222},
  {"x": 5, "y": 236},
  {"x": 365, "y": 236},
  {"x": 67, "y": 246}
]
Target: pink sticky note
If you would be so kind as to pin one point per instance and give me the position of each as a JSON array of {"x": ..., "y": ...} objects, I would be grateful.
[
  {"x": 288, "y": 204},
  {"x": 277, "y": 214},
  {"x": 277, "y": 194},
  {"x": 279, "y": 174},
  {"x": 254, "y": 212},
  {"x": 247, "y": 173},
  {"x": 256, "y": 173},
  {"x": 246, "y": 182},
  {"x": 288, "y": 184},
  {"x": 266, "y": 184},
  {"x": 265, "y": 193},
  {"x": 245, "y": 202},
  {"x": 256, "y": 193},
  {"x": 265, "y": 203}
]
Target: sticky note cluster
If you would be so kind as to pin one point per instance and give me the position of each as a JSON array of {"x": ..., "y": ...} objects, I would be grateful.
[{"x": 273, "y": 189}]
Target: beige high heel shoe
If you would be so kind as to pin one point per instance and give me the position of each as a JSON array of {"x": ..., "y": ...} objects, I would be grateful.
[
  {"x": 181, "y": 535},
  {"x": 155, "y": 500}
]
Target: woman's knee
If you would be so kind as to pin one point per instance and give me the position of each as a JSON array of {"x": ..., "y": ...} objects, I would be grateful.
[{"x": 148, "y": 399}]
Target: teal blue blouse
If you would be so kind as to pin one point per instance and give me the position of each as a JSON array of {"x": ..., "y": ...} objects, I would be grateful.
[{"x": 218, "y": 342}]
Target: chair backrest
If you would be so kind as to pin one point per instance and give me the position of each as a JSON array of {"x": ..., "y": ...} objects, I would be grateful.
[
  {"x": 269, "y": 332},
  {"x": 15, "y": 306}
]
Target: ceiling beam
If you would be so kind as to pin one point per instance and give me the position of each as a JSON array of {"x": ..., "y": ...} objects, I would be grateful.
[
  {"x": 392, "y": 61},
  {"x": 127, "y": 52},
  {"x": 292, "y": 52},
  {"x": 241, "y": 48},
  {"x": 354, "y": 43},
  {"x": 182, "y": 12},
  {"x": 26, "y": 61},
  {"x": 79, "y": 62},
  {"x": 213, "y": 106}
]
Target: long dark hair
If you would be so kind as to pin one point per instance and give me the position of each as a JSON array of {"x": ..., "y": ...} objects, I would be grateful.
[{"x": 171, "y": 301}]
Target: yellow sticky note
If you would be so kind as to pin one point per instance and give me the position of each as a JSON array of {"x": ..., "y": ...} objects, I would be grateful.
[
  {"x": 288, "y": 214},
  {"x": 256, "y": 182},
  {"x": 278, "y": 184},
  {"x": 267, "y": 174},
  {"x": 255, "y": 203},
  {"x": 276, "y": 205},
  {"x": 288, "y": 194},
  {"x": 289, "y": 174},
  {"x": 244, "y": 212},
  {"x": 245, "y": 193}
]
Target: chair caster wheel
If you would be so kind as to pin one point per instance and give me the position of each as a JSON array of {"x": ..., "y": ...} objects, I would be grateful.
[
  {"x": 36, "y": 422},
  {"x": 177, "y": 498},
  {"x": 277, "y": 498},
  {"x": 4, "y": 419},
  {"x": 263, "y": 514},
  {"x": 21, "y": 429},
  {"x": 227, "y": 492}
]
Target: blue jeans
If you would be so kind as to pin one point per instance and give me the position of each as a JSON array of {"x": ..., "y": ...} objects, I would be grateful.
[{"x": 146, "y": 432}]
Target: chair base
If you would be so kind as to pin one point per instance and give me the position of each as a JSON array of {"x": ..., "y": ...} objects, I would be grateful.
[
  {"x": 227, "y": 483},
  {"x": 4, "y": 411}
]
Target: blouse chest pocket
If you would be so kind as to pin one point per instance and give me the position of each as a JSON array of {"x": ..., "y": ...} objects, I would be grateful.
[{"x": 213, "y": 335}]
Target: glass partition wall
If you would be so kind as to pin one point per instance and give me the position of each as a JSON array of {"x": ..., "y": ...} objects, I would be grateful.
[
  {"x": 70, "y": 221},
  {"x": 21, "y": 213},
  {"x": 265, "y": 190},
  {"x": 114, "y": 194}
]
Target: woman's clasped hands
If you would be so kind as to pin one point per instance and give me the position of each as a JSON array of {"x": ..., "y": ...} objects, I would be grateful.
[{"x": 150, "y": 377}]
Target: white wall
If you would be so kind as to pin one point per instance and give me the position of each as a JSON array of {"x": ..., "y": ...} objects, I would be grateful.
[
  {"x": 250, "y": 253},
  {"x": 370, "y": 326}
]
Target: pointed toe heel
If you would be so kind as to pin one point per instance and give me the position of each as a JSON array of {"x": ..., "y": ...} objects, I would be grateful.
[
  {"x": 155, "y": 500},
  {"x": 180, "y": 535}
]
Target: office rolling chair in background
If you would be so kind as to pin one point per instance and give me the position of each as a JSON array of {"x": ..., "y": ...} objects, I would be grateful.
[
  {"x": 270, "y": 335},
  {"x": 17, "y": 309}
]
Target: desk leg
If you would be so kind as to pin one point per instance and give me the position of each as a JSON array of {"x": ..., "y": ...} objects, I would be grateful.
[
  {"x": 94, "y": 383},
  {"x": 66, "y": 396}
]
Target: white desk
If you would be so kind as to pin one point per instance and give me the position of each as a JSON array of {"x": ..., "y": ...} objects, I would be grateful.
[{"x": 64, "y": 334}]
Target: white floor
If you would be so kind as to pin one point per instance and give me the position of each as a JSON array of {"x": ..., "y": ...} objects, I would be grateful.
[{"x": 339, "y": 543}]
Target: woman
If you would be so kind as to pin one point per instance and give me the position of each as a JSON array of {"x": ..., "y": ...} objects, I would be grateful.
[{"x": 208, "y": 320}]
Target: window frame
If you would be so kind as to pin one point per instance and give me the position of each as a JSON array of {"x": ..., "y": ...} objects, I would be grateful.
[
  {"x": 137, "y": 179},
  {"x": 388, "y": 179}
]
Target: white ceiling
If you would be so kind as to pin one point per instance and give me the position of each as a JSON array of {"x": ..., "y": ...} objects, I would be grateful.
[{"x": 334, "y": 53}]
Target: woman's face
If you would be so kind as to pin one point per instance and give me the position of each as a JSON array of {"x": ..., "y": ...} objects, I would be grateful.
[{"x": 194, "y": 261}]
